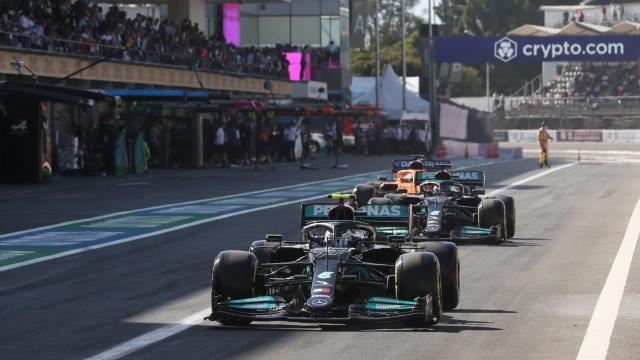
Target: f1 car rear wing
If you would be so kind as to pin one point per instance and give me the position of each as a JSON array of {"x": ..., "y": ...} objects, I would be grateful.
[
  {"x": 437, "y": 165},
  {"x": 375, "y": 215},
  {"x": 474, "y": 180}
]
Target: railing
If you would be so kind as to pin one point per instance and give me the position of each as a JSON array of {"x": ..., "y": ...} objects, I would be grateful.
[
  {"x": 95, "y": 49},
  {"x": 574, "y": 106},
  {"x": 529, "y": 88}
]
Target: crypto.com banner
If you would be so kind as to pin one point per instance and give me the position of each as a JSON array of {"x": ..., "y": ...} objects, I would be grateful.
[{"x": 483, "y": 49}]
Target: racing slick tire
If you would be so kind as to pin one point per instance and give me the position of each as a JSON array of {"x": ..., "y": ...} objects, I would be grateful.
[
  {"x": 233, "y": 276},
  {"x": 397, "y": 199},
  {"x": 259, "y": 249},
  {"x": 447, "y": 254},
  {"x": 363, "y": 193},
  {"x": 417, "y": 276},
  {"x": 491, "y": 212},
  {"x": 510, "y": 209}
]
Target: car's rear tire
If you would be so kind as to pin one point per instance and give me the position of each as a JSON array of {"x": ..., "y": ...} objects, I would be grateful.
[
  {"x": 364, "y": 193},
  {"x": 380, "y": 201},
  {"x": 233, "y": 277},
  {"x": 510, "y": 210},
  {"x": 418, "y": 275},
  {"x": 261, "y": 251},
  {"x": 491, "y": 212},
  {"x": 447, "y": 254}
]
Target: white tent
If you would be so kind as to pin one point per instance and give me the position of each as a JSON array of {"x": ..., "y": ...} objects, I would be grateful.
[{"x": 391, "y": 96}]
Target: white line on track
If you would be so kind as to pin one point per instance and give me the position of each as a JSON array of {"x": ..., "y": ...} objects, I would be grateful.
[
  {"x": 151, "y": 337},
  {"x": 530, "y": 178},
  {"x": 175, "y": 228},
  {"x": 164, "y": 231},
  {"x": 598, "y": 336},
  {"x": 165, "y": 331}
]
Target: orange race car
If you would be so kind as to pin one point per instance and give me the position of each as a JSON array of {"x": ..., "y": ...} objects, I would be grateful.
[{"x": 406, "y": 179}]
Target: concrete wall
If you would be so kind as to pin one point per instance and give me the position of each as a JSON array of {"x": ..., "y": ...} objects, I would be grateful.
[{"x": 193, "y": 10}]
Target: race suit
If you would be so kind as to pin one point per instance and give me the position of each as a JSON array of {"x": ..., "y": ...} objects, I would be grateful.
[{"x": 543, "y": 139}]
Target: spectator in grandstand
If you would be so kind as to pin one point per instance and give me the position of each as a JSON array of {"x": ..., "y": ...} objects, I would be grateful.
[
  {"x": 144, "y": 38},
  {"x": 580, "y": 16},
  {"x": 621, "y": 11},
  {"x": 603, "y": 10},
  {"x": 565, "y": 18}
]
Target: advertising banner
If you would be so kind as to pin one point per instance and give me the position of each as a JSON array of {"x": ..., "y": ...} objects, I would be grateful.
[
  {"x": 483, "y": 49},
  {"x": 621, "y": 136},
  {"x": 500, "y": 135},
  {"x": 579, "y": 135},
  {"x": 523, "y": 136},
  {"x": 358, "y": 21}
]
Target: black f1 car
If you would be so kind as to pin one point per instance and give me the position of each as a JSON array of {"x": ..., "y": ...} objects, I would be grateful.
[
  {"x": 444, "y": 204},
  {"x": 339, "y": 271}
]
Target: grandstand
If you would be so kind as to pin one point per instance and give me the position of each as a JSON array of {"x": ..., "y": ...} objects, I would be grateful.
[
  {"x": 600, "y": 91},
  {"x": 166, "y": 71}
]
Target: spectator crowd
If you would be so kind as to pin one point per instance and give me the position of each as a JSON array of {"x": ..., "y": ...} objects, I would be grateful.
[
  {"x": 78, "y": 27},
  {"x": 591, "y": 80}
]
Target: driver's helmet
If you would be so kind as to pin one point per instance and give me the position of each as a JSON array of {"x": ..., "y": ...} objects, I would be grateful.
[
  {"x": 416, "y": 165},
  {"x": 430, "y": 188},
  {"x": 342, "y": 212},
  {"x": 443, "y": 175}
]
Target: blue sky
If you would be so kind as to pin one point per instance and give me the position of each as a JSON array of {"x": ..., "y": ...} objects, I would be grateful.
[{"x": 421, "y": 8}]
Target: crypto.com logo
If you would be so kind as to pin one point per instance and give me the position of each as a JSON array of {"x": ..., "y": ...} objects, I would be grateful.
[{"x": 505, "y": 49}]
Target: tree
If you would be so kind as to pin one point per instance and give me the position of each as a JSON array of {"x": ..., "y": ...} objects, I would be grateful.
[
  {"x": 479, "y": 17},
  {"x": 364, "y": 60}
]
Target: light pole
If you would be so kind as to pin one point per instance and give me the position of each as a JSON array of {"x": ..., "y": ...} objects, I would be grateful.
[
  {"x": 487, "y": 69},
  {"x": 376, "y": 26},
  {"x": 404, "y": 57}
]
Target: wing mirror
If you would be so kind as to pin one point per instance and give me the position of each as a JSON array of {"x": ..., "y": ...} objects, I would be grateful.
[
  {"x": 382, "y": 178},
  {"x": 477, "y": 191}
]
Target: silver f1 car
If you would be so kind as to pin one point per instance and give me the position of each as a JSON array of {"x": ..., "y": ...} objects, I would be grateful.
[{"x": 340, "y": 270}]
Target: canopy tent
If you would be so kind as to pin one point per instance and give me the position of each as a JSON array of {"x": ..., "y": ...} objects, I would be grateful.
[
  {"x": 533, "y": 30},
  {"x": 390, "y": 95},
  {"x": 583, "y": 28},
  {"x": 626, "y": 28}
]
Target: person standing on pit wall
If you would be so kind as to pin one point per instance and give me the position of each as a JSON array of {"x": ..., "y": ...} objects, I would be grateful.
[{"x": 543, "y": 139}]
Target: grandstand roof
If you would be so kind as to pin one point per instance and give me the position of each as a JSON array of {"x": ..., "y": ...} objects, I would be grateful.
[
  {"x": 569, "y": 8},
  {"x": 626, "y": 28},
  {"x": 583, "y": 28},
  {"x": 533, "y": 30}
]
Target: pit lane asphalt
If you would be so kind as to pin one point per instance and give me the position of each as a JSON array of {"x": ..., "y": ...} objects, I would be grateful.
[{"x": 531, "y": 298}]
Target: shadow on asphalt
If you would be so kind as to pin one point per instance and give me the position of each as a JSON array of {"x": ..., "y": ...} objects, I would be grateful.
[
  {"x": 482, "y": 311},
  {"x": 448, "y": 324},
  {"x": 520, "y": 187}
]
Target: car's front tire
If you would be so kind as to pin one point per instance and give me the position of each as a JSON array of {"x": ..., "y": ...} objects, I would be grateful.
[
  {"x": 491, "y": 212},
  {"x": 233, "y": 277},
  {"x": 447, "y": 254},
  {"x": 418, "y": 275}
]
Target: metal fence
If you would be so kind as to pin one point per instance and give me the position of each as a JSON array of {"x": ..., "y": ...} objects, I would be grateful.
[
  {"x": 568, "y": 107},
  {"x": 92, "y": 48}
]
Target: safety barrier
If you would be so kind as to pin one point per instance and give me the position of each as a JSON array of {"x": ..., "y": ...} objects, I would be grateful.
[{"x": 583, "y": 135}]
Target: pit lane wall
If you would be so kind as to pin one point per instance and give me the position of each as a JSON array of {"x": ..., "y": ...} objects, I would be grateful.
[
  {"x": 56, "y": 66},
  {"x": 562, "y": 135}
]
